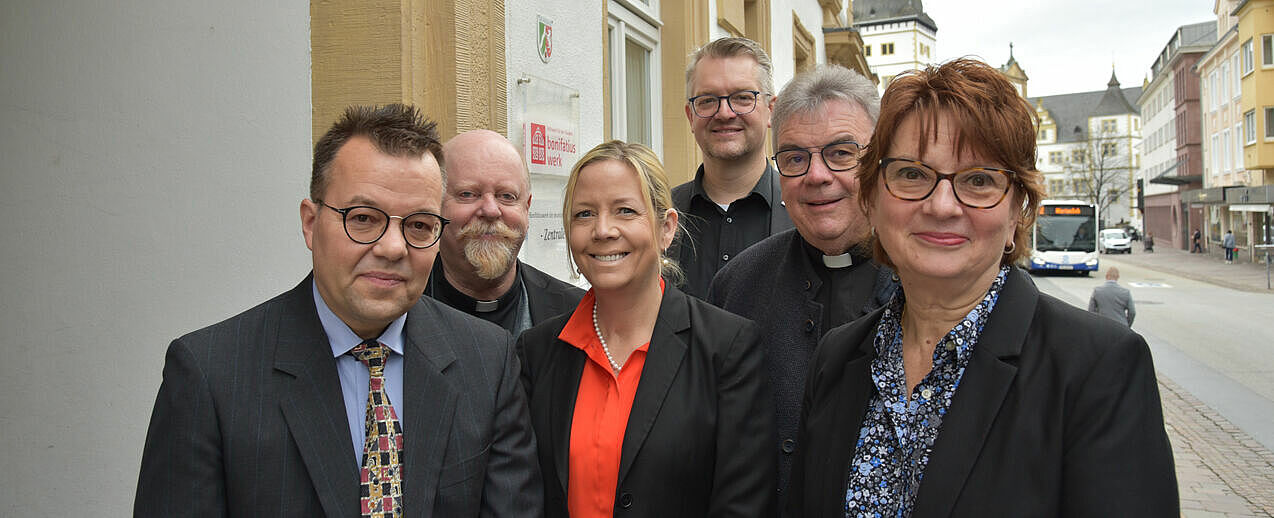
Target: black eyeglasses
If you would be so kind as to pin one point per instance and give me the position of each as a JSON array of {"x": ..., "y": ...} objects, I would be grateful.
[
  {"x": 366, "y": 225},
  {"x": 838, "y": 156},
  {"x": 742, "y": 102},
  {"x": 977, "y": 187}
]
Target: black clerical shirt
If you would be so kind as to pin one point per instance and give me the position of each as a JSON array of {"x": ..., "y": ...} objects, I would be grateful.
[
  {"x": 511, "y": 311},
  {"x": 714, "y": 235}
]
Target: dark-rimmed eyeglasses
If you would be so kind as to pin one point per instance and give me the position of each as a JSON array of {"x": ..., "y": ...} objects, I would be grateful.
[
  {"x": 977, "y": 187},
  {"x": 366, "y": 225},
  {"x": 837, "y": 156},
  {"x": 742, "y": 102}
]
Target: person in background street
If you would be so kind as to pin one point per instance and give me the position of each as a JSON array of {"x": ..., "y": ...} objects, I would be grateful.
[
  {"x": 1196, "y": 238},
  {"x": 487, "y": 200},
  {"x": 971, "y": 393},
  {"x": 1112, "y": 300},
  {"x": 1227, "y": 242},
  {"x": 800, "y": 283},
  {"x": 733, "y": 200},
  {"x": 1150, "y": 242}
]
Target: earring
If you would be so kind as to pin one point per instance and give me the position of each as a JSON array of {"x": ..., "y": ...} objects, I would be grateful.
[{"x": 1009, "y": 249}]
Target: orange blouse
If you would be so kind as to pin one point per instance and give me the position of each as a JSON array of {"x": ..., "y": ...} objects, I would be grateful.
[{"x": 602, "y": 406}]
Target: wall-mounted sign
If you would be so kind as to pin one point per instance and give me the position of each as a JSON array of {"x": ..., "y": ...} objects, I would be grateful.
[
  {"x": 545, "y": 123},
  {"x": 545, "y": 43}
]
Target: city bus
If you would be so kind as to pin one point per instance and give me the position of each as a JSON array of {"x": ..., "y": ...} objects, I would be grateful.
[{"x": 1064, "y": 237}]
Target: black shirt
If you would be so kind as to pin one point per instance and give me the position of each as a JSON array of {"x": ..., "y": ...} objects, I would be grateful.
[
  {"x": 844, "y": 290},
  {"x": 713, "y": 236},
  {"x": 510, "y": 311}
]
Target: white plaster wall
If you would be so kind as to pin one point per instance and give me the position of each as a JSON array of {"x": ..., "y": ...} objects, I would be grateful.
[
  {"x": 781, "y": 36},
  {"x": 578, "y": 48},
  {"x": 1164, "y": 154},
  {"x": 154, "y": 155}
]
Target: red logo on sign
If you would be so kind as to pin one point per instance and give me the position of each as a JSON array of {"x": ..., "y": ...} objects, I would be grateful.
[{"x": 538, "y": 139}]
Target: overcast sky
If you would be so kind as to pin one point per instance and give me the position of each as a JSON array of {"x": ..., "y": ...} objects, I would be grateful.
[{"x": 1065, "y": 46}]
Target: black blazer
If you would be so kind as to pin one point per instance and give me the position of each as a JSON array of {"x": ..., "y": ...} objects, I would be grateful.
[
  {"x": 547, "y": 296},
  {"x": 250, "y": 420},
  {"x": 774, "y": 284},
  {"x": 1057, "y": 414},
  {"x": 698, "y": 438}
]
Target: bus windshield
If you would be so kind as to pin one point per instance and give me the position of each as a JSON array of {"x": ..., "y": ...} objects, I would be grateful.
[{"x": 1065, "y": 233}]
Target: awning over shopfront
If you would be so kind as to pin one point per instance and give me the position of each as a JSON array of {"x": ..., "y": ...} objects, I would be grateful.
[
  {"x": 1172, "y": 176},
  {"x": 1210, "y": 196}
]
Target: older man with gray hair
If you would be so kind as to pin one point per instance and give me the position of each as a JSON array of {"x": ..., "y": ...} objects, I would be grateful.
[{"x": 802, "y": 282}]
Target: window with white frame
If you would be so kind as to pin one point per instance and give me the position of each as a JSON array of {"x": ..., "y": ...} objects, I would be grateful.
[
  {"x": 1226, "y": 151},
  {"x": 1108, "y": 125},
  {"x": 1237, "y": 76},
  {"x": 1212, "y": 91},
  {"x": 1225, "y": 85},
  {"x": 1248, "y": 59},
  {"x": 1249, "y": 127},
  {"x": 1269, "y": 123},
  {"x": 1238, "y": 147},
  {"x": 633, "y": 48},
  {"x": 1215, "y": 151},
  {"x": 1267, "y": 50}
]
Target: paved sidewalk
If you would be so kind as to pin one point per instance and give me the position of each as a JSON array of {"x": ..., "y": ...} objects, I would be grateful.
[
  {"x": 1210, "y": 268},
  {"x": 1221, "y": 471}
]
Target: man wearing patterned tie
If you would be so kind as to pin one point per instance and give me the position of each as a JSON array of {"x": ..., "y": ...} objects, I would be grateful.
[{"x": 349, "y": 395}]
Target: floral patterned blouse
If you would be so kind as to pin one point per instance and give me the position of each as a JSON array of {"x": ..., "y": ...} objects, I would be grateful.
[{"x": 898, "y": 433}]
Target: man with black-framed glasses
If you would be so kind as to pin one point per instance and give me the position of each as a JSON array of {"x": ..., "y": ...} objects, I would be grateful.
[
  {"x": 801, "y": 283},
  {"x": 349, "y": 395},
  {"x": 733, "y": 201}
]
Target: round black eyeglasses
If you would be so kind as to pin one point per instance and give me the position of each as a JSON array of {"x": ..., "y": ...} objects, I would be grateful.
[
  {"x": 742, "y": 102},
  {"x": 366, "y": 225},
  {"x": 837, "y": 156}
]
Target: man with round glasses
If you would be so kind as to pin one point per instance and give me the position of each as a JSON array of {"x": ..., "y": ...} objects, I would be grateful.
[
  {"x": 800, "y": 283},
  {"x": 349, "y": 395},
  {"x": 733, "y": 201}
]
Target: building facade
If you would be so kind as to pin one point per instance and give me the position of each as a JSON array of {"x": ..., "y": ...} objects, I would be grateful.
[
  {"x": 1171, "y": 145},
  {"x": 897, "y": 36},
  {"x": 1237, "y": 92},
  {"x": 1088, "y": 145},
  {"x": 559, "y": 77}
]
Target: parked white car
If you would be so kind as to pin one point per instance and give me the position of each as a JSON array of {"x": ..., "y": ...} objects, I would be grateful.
[{"x": 1114, "y": 240}]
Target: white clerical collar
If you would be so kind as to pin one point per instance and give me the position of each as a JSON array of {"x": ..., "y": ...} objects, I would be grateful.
[
  {"x": 486, "y": 306},
  {"x": 838, "y": 261}
]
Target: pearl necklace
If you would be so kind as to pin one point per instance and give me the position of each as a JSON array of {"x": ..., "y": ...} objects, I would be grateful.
[{"x": 598, "y": 329}]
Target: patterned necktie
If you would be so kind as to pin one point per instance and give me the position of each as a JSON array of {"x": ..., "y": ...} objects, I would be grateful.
[{"x": 382, "y": 473}]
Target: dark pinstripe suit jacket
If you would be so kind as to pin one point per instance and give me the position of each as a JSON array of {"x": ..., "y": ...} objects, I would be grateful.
[{"x": 250, "y": 421}]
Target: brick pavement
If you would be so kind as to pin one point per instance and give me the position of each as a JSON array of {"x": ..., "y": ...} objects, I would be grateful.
[{"x": 1221, "y": 471}]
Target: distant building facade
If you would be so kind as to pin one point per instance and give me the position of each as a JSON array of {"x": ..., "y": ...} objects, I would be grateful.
[
  {"x": 1172, "y": 152},
  {"x": 1237, "y": 91},
  {"x": 1088, "y": 145},
  {"x": 897, "y": 36}
]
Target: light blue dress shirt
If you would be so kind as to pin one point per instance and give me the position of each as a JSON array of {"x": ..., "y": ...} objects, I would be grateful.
[{"x": 355, "y": 378}]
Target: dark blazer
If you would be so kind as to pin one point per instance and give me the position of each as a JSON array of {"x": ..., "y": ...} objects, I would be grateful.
[
  {"x": 697, "y": 443},
  {"x": 250, "y": 420},
  {"x": 1057, "y": 414},
  {"x": 773, "y": 284},
  {"x": 547, "y": 296}
]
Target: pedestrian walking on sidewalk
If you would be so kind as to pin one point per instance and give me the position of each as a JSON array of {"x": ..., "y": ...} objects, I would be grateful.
[
  {"x": 1228, "y": 243},
  {"x": 1198, "y": 236},
  {"x": 1112, "y": 300},
  {"x": 1150, "y": 242}
]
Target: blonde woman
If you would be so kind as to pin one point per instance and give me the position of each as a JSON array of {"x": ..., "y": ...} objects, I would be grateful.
[{"x": 645, "y": 401}]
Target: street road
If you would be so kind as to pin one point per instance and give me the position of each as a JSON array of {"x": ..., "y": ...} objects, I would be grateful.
[{"x": 1215, "y": 342}]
